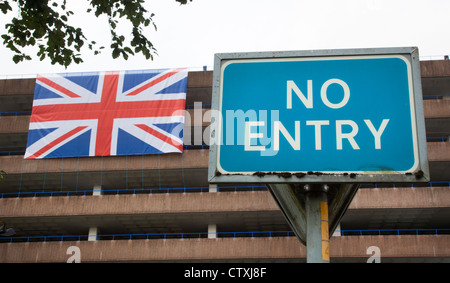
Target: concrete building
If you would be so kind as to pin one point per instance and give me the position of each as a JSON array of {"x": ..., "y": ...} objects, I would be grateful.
[{"x": 160, "y": 208}]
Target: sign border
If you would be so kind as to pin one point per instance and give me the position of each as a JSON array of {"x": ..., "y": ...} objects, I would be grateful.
[{"x": 410, "y": 54}]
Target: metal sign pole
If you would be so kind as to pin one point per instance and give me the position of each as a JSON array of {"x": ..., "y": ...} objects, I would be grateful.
[{"x": 317, "y": 233}]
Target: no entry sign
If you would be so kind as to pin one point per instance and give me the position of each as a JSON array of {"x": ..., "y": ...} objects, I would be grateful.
[{"x": 318, "y": 116}]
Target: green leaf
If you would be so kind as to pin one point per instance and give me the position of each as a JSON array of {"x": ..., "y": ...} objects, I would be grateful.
[
  {"x": 115, "y": 53},
  {"x": 17, "y": 59},
  {"x": 5, "y": 7},
  {"x": 128, "y": 49},
  {"x": 6, "y": 37}
]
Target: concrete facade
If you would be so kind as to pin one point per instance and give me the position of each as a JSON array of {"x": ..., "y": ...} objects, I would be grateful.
[
  {"x": 161, "y": 209},
  {"x": 264, "y": 249}
]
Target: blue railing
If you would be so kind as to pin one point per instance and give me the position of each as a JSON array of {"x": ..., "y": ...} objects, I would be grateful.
[
  {"x": 132, "y": 191},
  {"x": 147, "y": 236},
  {"x": 195, "y": 146},
  {"x": 251, "y": 234},
  {"x": 12, "y": 152},
  {"x": 385, "y": 232},
  {"x": 441, "y": 139},
  {"x": 15, "y": 113},
  {"x": 184, "y": 190},
  {"x": 438, "y": 139},
  {"x": 435, "y": 96},
  {"x": 192, "y": 106},
  {"x": 412, "y": 185},
  {"x": 22, "y": 152}
]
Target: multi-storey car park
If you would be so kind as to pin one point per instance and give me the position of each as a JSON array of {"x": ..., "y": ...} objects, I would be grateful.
[{"x": 160, "y": 208}]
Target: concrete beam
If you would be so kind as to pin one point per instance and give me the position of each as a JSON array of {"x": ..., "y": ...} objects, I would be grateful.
[
  {"x": 189, "y": 159},
  {"x": 438, "y": 151},
  {"x": 200, "y": 79},
  {"x": 26, "y": 86},
  {"x": 137, "y": 204},
  {"x": 436, "y": 108},
  {"x": 381, "y": 198},
  {"x": 435, "y": 68},
  {"x": 271, "y": 249},
  {"x": 387, "y": 198}
]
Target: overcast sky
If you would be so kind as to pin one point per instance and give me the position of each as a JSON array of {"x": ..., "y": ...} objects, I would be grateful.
[{"x": 190, "y": 35}]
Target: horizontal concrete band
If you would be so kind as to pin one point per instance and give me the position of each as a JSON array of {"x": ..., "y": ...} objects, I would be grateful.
[
  {"x": 437, "y": 151},
  {"x": 380, "y": 198},
  {"x": 435, "y": 68},
  {"x": 224, "y": 249},
  {"x": 26, "y": 86},
  {"x": 189, "y": 159},
  {"x": 138, "y": 204},
  {"x": 436, "y": 108}
]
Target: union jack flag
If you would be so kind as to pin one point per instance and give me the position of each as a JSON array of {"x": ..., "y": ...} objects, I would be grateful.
[{"x": 107, "y": 113}]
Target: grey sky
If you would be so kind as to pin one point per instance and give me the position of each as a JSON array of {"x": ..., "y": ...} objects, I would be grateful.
[{"x": 189, "y": 35}]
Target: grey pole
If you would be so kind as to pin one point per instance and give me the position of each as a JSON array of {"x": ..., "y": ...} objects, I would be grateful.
[{"x": 317, "y": 234}]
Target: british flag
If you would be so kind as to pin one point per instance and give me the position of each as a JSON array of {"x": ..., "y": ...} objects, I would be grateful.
[{"x": 107, "y": 113}]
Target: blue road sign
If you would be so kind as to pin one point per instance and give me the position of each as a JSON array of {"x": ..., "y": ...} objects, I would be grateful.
[{"x": 329, "y": 116}]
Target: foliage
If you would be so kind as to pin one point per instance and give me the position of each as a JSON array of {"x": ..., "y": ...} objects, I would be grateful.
[{"x": 45, "y": 23}]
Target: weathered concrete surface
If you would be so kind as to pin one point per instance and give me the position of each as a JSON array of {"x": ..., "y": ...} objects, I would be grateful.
[
  {"x": 435, "y": 68},
  {"x": 189, "y": 159},
  {"x": 273, "y": 248},
  {"x": 410, "y": 246},
  {"x": 417, "y": 197},
  {"x": 138, "y": 204},
  {"x": 26, "y": 86},
  {"x": 17, "y": 86},
  {"x": 380, "y": 198},
  {"x": 438, "y": 151},
  {"x": 436, "y": 108}
]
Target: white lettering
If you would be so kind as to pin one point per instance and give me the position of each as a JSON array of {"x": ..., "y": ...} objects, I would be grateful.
[
  {"x": 345, "y": 129},
  {"x": 242, "y": 272},
  {"x": 318, "y": 133},
  {"x": 201, "y": 273},
  {"x": 278, "y": 127},
  {"x": 323, "y": 93},
  {"x": 291, "y": 86},
  {"x": 249, "y": 135},
  {"x": 349, "y": 136},
  {"x": 377, "y": 134}
]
